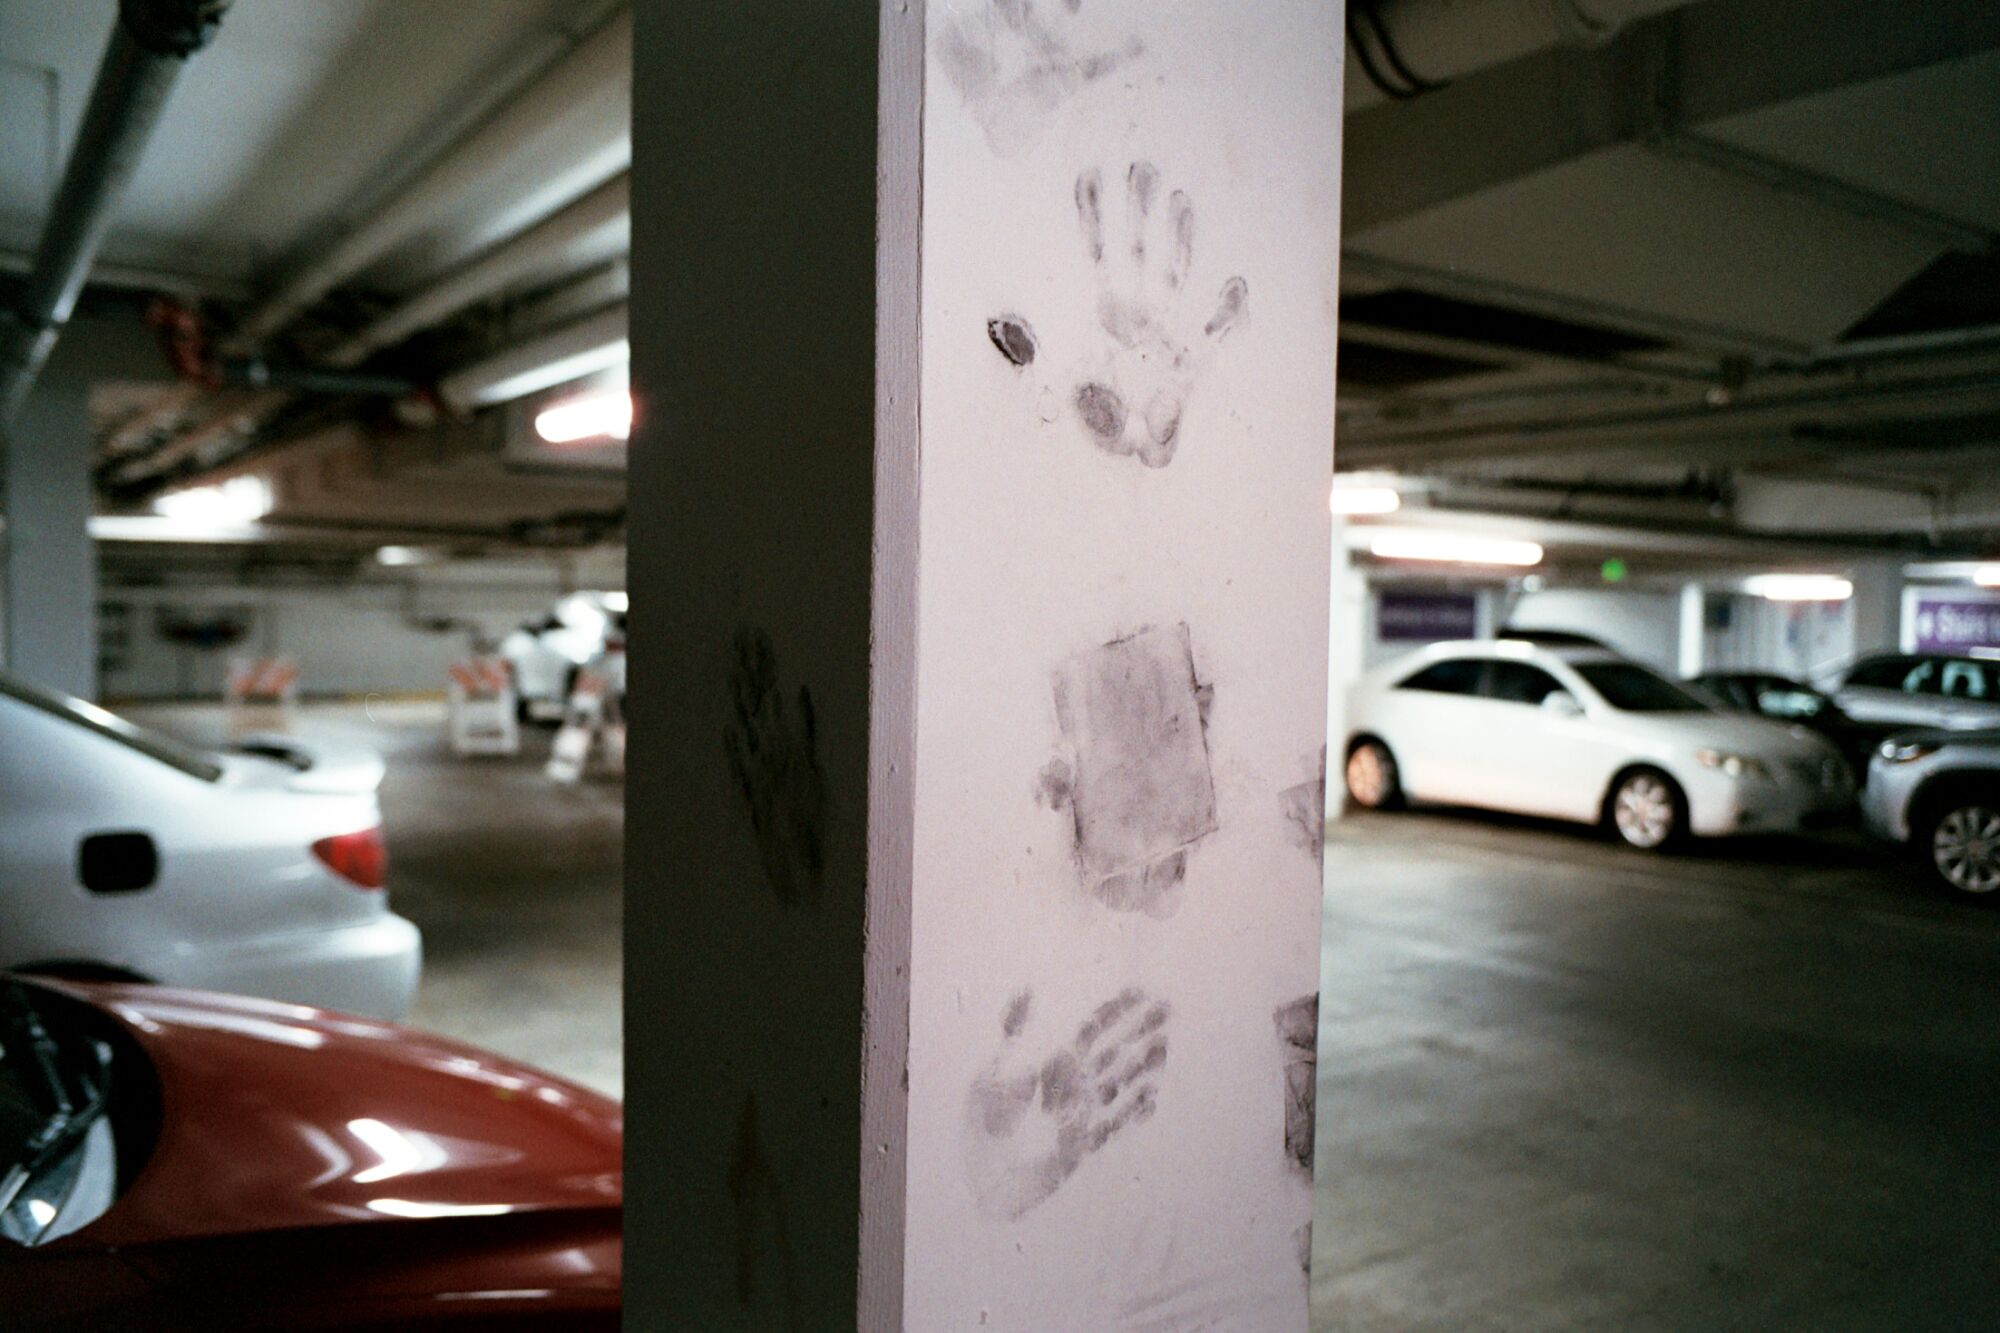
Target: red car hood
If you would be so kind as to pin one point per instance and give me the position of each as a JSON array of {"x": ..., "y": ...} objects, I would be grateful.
[{"x": 276, "y": 1116}]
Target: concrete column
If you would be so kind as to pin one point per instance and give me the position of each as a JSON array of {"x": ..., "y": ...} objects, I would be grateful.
[
  {"x": 1693, "y": 629},
  {"x": 48, "y": 591},
  {"x": 1876, "y": 610},
  {"x": 979, "y": 578}
]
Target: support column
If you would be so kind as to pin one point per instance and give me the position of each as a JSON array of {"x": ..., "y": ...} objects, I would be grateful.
[
  {"x": 1876, "y": 609},
  {"x": 48, "y": 591},
  {"x": 979, "y": 577},
  {"x": 1693, "y": 629}
]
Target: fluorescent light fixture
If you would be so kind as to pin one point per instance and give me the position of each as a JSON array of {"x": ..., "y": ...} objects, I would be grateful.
[
  {"x": 1349, "y": 500},
  {"x": 229, "y": 504},
  {"x": 401, "y": 555},
  {"x": 1987, "y": 576},
  {"x": 1798, "y": 587},
  {"x": 1453, "y": 548},
  {"x": 598, "y": 415},
  {"x": 154, "y": 528}
]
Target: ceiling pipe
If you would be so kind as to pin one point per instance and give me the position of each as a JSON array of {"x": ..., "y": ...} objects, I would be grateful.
[
  {"x": 1404, "y": 48},
  {"x": 148, "y": 49},
  {"x": 568, "y": 353},
  {"x": 594, "y": 78},
  {"x": 594, "y": 228}
]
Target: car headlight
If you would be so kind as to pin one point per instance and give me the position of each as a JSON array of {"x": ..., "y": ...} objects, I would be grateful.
[
  {"x": 1735, "y": 765},
  {"x": 1904, "y": 752}
]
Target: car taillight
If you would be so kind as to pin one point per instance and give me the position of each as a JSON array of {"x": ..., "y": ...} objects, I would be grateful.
[{"x": 360, "y": 858}]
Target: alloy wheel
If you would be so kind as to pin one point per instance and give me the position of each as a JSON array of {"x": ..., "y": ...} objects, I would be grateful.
[
  {"x": 1644, "y": 811},
  {"x": 1966, "y": 849}
]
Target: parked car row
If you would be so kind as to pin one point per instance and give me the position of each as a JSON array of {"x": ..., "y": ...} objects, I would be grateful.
[
  {"x": 177, "y": 1158},
  {"x": 1559, "y": 727}
]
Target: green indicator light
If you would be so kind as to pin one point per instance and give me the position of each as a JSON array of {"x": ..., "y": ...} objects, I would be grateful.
[{"x": 1613, "y": 570}]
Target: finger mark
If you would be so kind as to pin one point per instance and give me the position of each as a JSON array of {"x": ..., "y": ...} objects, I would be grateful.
[
  {"x": 1228, "y": 307},
  {"x": 1102, "y": 410},
  {"x": 1015, "y": 339},
  {"x": 1180, "y": 215},
  {"x": 1106, "y": 1014},
  {"x": 1090, "y": 211}
]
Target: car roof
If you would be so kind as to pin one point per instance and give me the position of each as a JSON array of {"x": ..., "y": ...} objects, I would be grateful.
[{"x": 1522, "y": 649}]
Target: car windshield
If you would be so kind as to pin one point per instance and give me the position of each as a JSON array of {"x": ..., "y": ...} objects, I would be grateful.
[
  {"x": 1635, "y": 689},
  {"x": 113, "y": 727}
]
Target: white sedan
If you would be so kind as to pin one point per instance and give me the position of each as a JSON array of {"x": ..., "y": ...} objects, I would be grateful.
[
  {"x": 1581, "y": 734},
  {"x": 126, "y": 855}
]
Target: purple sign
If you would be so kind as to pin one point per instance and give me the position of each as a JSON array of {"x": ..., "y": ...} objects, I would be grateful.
[
  {"x": 1425, "y": 617},
  {"x": 1954, "y": 624}
]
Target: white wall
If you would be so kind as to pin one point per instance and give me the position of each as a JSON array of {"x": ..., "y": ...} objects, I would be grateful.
[
  {"x": 356, "y": 638},
  {"x": 1643, "y": 624}
]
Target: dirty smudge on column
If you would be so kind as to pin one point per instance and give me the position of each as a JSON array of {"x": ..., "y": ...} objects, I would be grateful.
[
  {"x": 1298, "y": 1039},
  {"x": 773, "y": 751},
  {"x": 1140, "y": 791},
  {"x": 1014, "y": 64},
  {"x": 1015, "y": 339},
  {"x": 761, "y": 1225},
  {"x": 1034, "y": 1116},
  {"x": 1304, "y": 808}
]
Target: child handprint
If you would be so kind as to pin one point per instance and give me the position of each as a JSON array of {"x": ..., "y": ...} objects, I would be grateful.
[
  {"x": 1014, "y": 67},
  {"x": 1030, "y": 1124}
]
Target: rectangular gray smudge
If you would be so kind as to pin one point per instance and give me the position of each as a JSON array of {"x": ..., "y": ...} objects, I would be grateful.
[{"x": 1131, "y": 713}]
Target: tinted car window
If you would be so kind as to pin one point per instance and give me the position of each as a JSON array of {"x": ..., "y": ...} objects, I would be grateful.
[
  {"x": 1458, "y": 676},
  {"x": 1881, "y": 673},
  {"x": 1965, "y": 680},
  {"x": 1634, "y": 689},
  {"x": 1519, "y": 683}
]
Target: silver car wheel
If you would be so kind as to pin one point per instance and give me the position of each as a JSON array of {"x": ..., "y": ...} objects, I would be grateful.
[
  {"x": 1644, "y": 811},
  {"x": 1966, "y": 849},
  {"x": 1368, "y": 779}
]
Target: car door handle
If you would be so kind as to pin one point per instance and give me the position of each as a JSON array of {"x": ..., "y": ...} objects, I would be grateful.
[{"x": 117, "y": 862}]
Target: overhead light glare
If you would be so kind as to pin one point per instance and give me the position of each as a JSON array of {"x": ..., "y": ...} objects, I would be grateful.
[
  {"x": 1455, "y": 548},
  {"x": 1351, "y": 500},
  {"x": 1798, "y": 587},
  {"x": 588, "y": 416},
  {"x": 401, "y": 555},
  {"x": 617, "y": 602},
  {"x": 226, "y": 505},
  {"x": 1987, "y": 576}
]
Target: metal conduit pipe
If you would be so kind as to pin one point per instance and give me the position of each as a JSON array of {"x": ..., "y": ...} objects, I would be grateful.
[
  {"x": 149, "y": 46},
  {"x": 568, "y": 353},
  {"x": 593, "y": 82},
  {"x": 1403, "y": 48},
  {"x": 594, "y": 228}
]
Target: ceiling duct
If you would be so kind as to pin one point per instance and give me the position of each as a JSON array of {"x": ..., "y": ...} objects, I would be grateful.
[
  {"x": 149, "y": 46},
  {"x": 1404, "y": 48},
  {"x": 592, "y": 84},
  {"x": 596, "y": 227},
  {"x": 541, "y": 363}
]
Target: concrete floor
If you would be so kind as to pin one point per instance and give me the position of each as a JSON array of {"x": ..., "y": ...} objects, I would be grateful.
[
  {"x": 1562, "y": 1085},
  {"x": 1566, "y": 1086},
  {"x": 516, "y": 883}
]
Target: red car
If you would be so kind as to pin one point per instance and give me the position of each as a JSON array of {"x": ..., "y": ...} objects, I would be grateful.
[{"x": 177, "y": 1160}]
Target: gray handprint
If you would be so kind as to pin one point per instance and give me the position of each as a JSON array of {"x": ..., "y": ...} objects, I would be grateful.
[
  {"x": 1014, "y": 67},
  {"x": 1031, "y": 1122},
  {"x": 774, "y": 757},
  {"x": 1129, "y": 397}
]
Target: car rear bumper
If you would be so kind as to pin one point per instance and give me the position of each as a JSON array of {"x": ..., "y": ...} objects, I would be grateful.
[{"x": 370, "y": 968}]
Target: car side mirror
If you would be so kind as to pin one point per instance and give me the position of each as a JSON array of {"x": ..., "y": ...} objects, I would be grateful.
[
  {"x": 117, "y": 862},
  {"x": 1562, "y": 704}
]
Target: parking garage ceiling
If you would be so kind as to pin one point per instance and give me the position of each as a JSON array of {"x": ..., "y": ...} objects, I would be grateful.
[{"x": 1723, "y": 267}]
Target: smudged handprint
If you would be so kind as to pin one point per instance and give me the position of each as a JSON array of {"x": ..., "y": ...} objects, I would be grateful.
[
  {"x": 1130, "y": 397},
  {"x": 1031, "y": 1121},
  {"x": 1014, "y": 66},
  {"x": 773, "y": 754}
]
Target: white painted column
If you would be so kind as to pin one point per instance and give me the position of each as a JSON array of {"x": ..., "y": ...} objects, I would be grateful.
[
  {"x": 979, "y": 665},
  {"x": 48, "y": 590},
  {"x": 1693, "y": 629},
  {"x": 1875, "y": 612}
]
